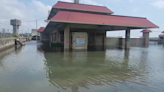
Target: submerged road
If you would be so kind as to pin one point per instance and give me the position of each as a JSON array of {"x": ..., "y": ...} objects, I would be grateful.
[{"x": 34, "y": 69}]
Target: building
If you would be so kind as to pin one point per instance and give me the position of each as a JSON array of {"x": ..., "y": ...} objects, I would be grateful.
[
  {"x": 34, "y": 32},
  {"x": 43, "y": 36},
  {"x": 78, "y": 26},
  {"x": 15, "y": 23}
]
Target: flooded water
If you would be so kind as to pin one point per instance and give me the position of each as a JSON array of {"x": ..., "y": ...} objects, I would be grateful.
[{"x": 33, "y": 68}]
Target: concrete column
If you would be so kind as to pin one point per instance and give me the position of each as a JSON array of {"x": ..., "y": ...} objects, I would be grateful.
[
  {"x": 66, "y": 37},
  {"x": 146, "y": 39},
  {"x": 127, "y": 39},
  {"x": 15, "y": 29},
  {"x": 126, "y": 59}
]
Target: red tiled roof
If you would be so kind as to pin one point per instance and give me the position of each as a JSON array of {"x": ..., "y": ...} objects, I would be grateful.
[
  {"x": 82, "y": 7},
  {"x": 99, "y": 19},
  {"x": 41, "y": 29},
  {"x": 146, "y": 30}
]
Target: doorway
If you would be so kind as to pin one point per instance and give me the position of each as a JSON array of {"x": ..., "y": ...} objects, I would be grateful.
[{"x": 79, "y": 40}]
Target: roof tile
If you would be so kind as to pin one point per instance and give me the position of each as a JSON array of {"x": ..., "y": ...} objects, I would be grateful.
[
  {"x": 88, "y": 18},
  {"x": 41, "y": 29}
]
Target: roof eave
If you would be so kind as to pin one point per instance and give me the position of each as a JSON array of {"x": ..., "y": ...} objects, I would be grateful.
[{"x": 102, "y": 24}]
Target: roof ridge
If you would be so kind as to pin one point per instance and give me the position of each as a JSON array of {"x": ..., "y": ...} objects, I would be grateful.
[
  {"x": 82, "y": 4},
  {"x": 128, "y": 16}
]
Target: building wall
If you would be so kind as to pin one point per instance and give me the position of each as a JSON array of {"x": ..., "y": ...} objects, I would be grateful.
[{"x": 44, "y": 37}]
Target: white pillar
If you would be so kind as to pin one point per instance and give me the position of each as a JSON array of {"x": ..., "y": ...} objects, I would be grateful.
[
  {"x": 127, "y": 39},
  {"x": 66, "y": 37}
]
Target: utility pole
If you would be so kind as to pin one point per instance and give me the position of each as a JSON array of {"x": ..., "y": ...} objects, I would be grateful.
[
  {"x": 16, "y": 28},
  {"x": 36, "y": 31}
]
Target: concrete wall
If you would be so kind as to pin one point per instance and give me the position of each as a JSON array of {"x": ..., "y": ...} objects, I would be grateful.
[
  {"x": 112, "y": 42},
  {"x": 139, "y": 42},
  {"x": 8, "y": 42},
  {"x": 120, "y": 42}
]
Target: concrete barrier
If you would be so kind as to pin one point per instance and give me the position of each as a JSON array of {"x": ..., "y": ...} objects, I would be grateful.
[{"x": 8, "y": 42}]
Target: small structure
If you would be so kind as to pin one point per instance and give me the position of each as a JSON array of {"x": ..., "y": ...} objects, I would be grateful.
[
  {"x": 146, "y": 37},
  {"x": 15, "y": 23},
  {"x": 43, "y": 36},
  {"x": 79, "y": 26}
]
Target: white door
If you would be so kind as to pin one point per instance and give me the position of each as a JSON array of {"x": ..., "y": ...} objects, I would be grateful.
[{"x": 79, "y": 40}]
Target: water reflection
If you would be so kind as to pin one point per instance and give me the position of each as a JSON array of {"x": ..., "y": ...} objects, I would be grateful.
[
  {"x": 34, "y": 69},
  {"x": 7, "y": 52},
  {"x": 82, "y": 69},
  {"x": 18, "y": 49},
  {"x": 46, "y": 48}
]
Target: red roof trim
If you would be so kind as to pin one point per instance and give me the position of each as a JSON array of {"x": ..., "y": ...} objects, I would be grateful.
[
  {"x": 146, "y": 30},
  {"x": 87, "y": 18},
  {"x": 41, "y": 29},
  {"x": 82, "y": 7}
]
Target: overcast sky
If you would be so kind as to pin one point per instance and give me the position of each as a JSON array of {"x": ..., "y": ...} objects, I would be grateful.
[{"x": 30, "y": 10}]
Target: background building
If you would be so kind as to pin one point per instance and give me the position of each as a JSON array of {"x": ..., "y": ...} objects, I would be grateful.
[{"x": 34, "y": 32}]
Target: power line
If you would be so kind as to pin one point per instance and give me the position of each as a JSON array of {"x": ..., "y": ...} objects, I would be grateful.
[{"x": 35, "y": 20}]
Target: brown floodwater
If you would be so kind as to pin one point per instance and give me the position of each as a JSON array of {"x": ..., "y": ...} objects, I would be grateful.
[{"x": 37, "y": 68}]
